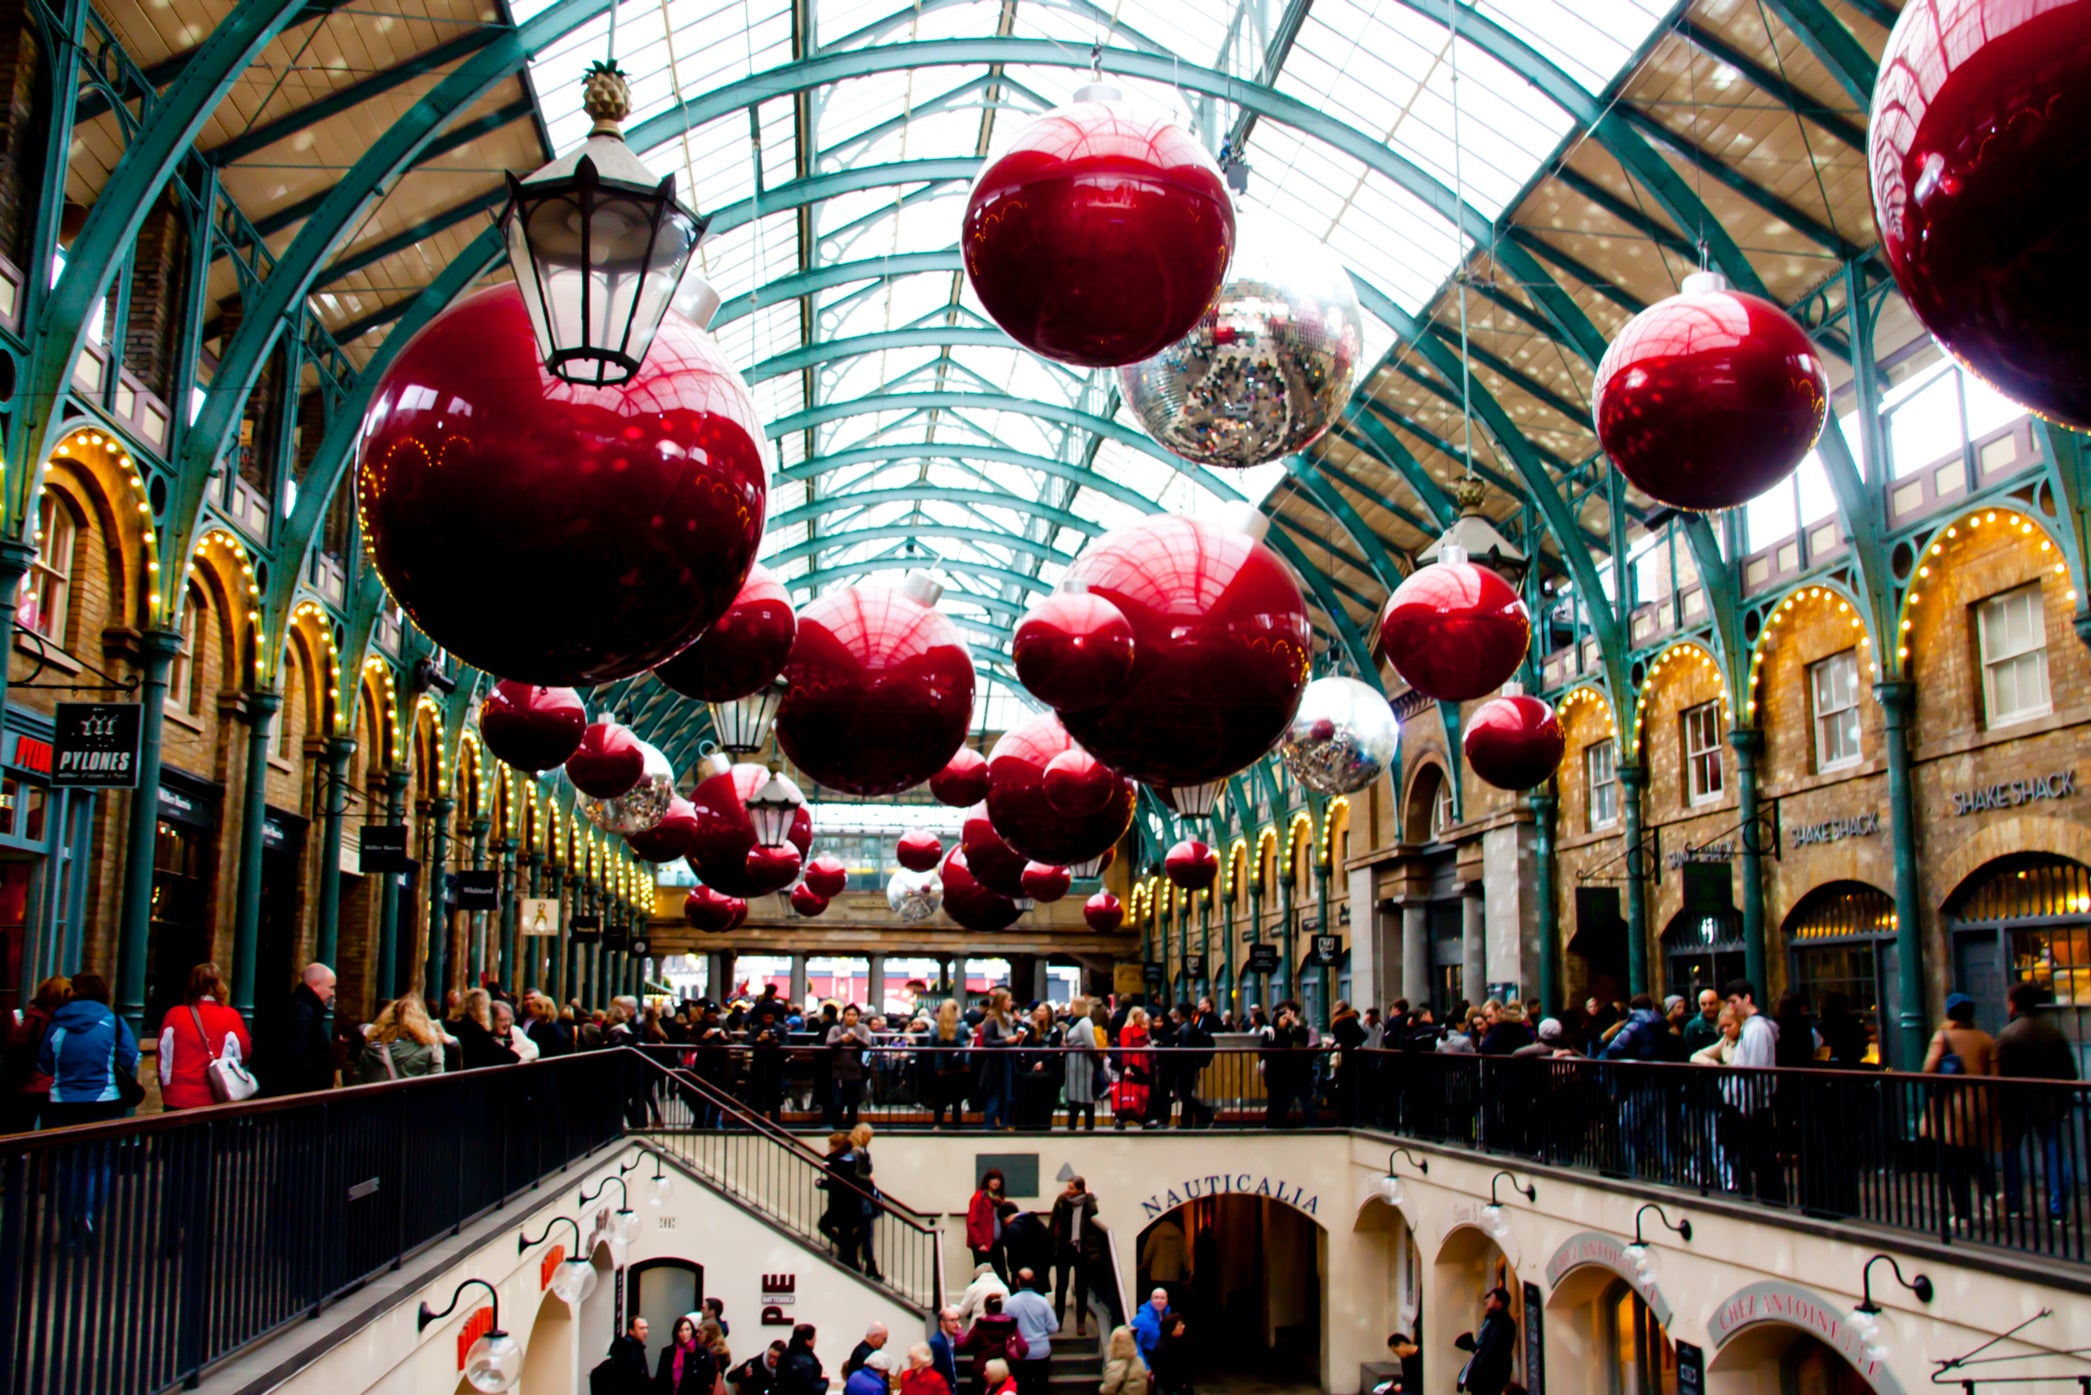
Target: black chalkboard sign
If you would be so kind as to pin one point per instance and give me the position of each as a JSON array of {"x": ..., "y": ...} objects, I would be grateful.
[
  {"x": 1691, "y": 1369},
  {"x": 1535, "y": 1341}
]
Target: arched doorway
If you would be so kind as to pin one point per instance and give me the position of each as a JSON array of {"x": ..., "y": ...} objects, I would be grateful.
[
  {"x": 1247, "y": 1272},
  {"x": 550, "y": 1361},
  {"x": 1607, "y": 1329},
  {"x": 1840, "y": 942},
  {"x": 1777, "y": 1338},
  {"x": 1386, "y": 1282},
  {"x": 2026, "y": 919},
  {"x": 1702, "y": 948},
  {"x": 1469, "y": 1264},
  {"x": 662, "y": 1290}
]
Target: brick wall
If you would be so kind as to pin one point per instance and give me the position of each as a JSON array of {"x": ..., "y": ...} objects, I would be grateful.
[
  {"x": 23, "y": 138},
  {"x": 159, "y": 278}
]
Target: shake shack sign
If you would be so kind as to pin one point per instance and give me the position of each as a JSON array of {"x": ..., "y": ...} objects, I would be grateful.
[
  {"x": 2008, "y": 795},
  {"x": 96, "y": 745}
]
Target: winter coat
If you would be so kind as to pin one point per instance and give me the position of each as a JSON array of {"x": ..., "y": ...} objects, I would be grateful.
[
  {"x": 87, "y": 1046},
  {"x": 1080, "y": 1086},
  {"x": 1147, "y": 1330},
  {"x": 982, "y": 1231},
  {"x": 700, "y": 1372},
  {"x": 304, "y": 1058},
  {"x": 1505, "y": 1038},
  {"x": 185, "y": 1056},
  {"x": 988, "y": 1338},
  {"x": 1640, "y": 1038},
  {"x": 479, "y": 1047},
  {"x": 799, "y": 1373},
  {"x": 1125, "y": 1376},
  {"x": 409, "y": 1058},
  {"x": 553, "y": 1038}
]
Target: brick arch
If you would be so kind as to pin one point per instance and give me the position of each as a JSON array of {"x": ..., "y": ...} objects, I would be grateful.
[
  {"x": 1975, "y": 526},
  {"x": 2021, "y": 833},
  {"x": 1798, "y": 607},
  {"x": 1669, "y": 662},
  {"x": 1431, "y": 768},
  {"x": 102, "y": 479}
]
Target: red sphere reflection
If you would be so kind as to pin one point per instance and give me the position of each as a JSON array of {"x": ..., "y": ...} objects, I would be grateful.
[
  {"x": 531, "y": 728},
  {"x": 1100, "y": 237},
  {"x": 1073, "y": 649},
  {"x": 556, "y": 533},
  {"x": 1104, "y": 913},
  {"x": 1192, "y": 865},
  {"x": 1981, "y": 124},
  {"x": 1221, "y": 649},
  {"x": 962, "y": 782},
  {"x": 744, "y": 648},
  {"x": 668, "y": 839},
  {"x": 1024, "y": 815},
  {"x": 1711, "y": 397},
  {"x": 1513, "y": 742},
  {"x": 608, "y": 763},
  {"x": 827, "y": 876},
  {"x": 881, "y": 690},
  {"x": 969, "y": 903},
  {"x": 1045, "y": 884},
  {"x": 1077, "y": 783},
  {"x": 919, "y": 850},
  {"x": 725, "y": 835},
  {"x": 999, "y": 867},
  {"x": 772, "y": 868},
  {"x": 712, "y": 913},
  {"x": 1455, "y": 631},
  {"x": 806, "y": 901}
]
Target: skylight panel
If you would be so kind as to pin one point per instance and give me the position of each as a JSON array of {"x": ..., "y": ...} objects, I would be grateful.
[{"x": 1591, "y": 39}]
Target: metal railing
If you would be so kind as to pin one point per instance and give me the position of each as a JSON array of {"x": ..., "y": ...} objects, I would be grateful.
[
  {"x": 135, "y": 1254},
  {"x": 758, "y": 1164}
]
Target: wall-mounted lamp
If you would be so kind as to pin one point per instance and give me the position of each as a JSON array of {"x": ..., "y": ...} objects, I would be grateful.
[
  {"x": 1492, "y": 1218},
  {"x": 574, "y": 1277},
  {"x": 1390, "y": 1186},
  {"x": 1868, "y": 1320},
  {"x": 660, "y": 1186},
  {"x": 624, "y": 1226},
  {"x": 1639, "y": 1253},
  {"x": 495, "y": 1361}
]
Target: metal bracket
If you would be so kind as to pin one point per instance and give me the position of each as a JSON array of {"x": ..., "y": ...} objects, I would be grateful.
[{"x": 40, "y": 651}]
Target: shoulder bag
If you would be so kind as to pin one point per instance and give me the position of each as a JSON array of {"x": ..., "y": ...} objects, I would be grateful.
[{"x": 229, "y": 1079}]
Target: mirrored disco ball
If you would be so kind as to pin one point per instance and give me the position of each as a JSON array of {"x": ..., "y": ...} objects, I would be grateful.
[
  {"x": 915, "y": 896},
  {"x": 1270, "y": 365},
  {"x": 641, "y": 807},
  {"x": 1342, "y": 737}
]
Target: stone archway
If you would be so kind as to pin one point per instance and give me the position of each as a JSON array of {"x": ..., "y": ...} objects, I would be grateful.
[
  {"x": 1600, "y": 1314},
  {"x": 1469, "y": 1261},
  {"x": 1756, "y": 1326},
  {"x": 550, "y": 1358}
]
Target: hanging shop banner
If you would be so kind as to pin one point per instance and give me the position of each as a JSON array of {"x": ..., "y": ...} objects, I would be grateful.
[
  {"x": 586, "y": 929},
  {"x": 616, "y": 937},
  {"x": 384, "y": 847},
  {"x": 478, "y": 889},
  {"x": 1328, "y": 950},
  {"x": 1691, "y": 1369},
  {"x": 1194, "y": 965},
  {"x": 1263, "y": 959},
  {"x": 96, "y": 745},
  {"x": 540, "y": 917},
  {"x": 641, "y": 947}
]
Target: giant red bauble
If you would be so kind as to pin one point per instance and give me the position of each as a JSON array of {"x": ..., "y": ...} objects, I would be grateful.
[
  {"x": 1077, "y": 783},
  {"x": 744, "y": 648},
  {"x": 608, "y": 762},
  {"x": 1104, "y": 912},
  {"x": 962, "y": 782},
  {"x": 1221, "y": 650},
  {"x": 880, "y": 691},
  {"x": 827, "y": 876},
  {"x": 725, "y": 835},
  {"x": 1513, "y": 742},
  {"x": 668, "y": 839},
  {"x": 1023, "y": 814},
  {"x": 918, "y": 850},
  {"x": 531, "y": 728},
  {"x": 1046, "y": 884},
  {"x": 550, "y": 532},
  {"x": 1455, "y": 631},
  {"x": 712, "y": 913},
  {"x": 1073, "y": 649},
  {"x": 997, "y": 866},
  {"x": 969, "y": 903},
  {"x": 1711, "y": 397},
  {"x": 1981, "y": 159},
  {"x": 806, "y": 901},
  {"x": 1100, "y": 237},
  {"x": 772, "y": 868},
  {"x": 1192, "y": 865}
]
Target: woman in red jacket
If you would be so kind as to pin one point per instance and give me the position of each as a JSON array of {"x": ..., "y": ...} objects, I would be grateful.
[
  {"x": 202, "y": 1027},
  {"x": 983, "y": 1221}
]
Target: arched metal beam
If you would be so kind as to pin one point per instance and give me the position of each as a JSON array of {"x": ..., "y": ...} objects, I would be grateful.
[
  {"x": 1305, "y": 473},
  {"x": 816, "y": 577},
  {"x": 915, "y": 493},
  {"x": 1060, "y": 469},
  {"x": 977, "y": 401},
  {"x": 1014, "y": 542},
  {"x": 833, "y": 274},
  {"x": 829, "y": 350},
  {"x": 1833, "y": 45}
]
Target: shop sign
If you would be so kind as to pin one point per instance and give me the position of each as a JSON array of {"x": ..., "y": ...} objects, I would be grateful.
[
  {"x": 1194, "y": 965},
  {"x": 1224, "y": 1183},
  {"x": 779, "y": 1291},
  {"x": 540, "y": 916},
  {"x": 1328, "y": 950},
  {"x": 1594, "y": 1247},
  {"x": 2008, "y": 795},
  {"x": 273, "y": 834},
  {"x": 1774, "y": 1300},
  {"x": 1866, "y": 825},
  {"x": 1691, "y": 1369},
  {"x": 32, "y": 755},
  {"x": 478, "y": 889},
  {"x": 1721, "y": 853},
  {"x": 384, "y": 847},
  {"x": 1263, "y": 959},
  {"x": 587, "y": 929},
  {"x": 96, "y": 745},
  {"x": 641, "y": 947},
  {"x": 615, "y": 937},
  {"x": 1535, "y": 1341}
]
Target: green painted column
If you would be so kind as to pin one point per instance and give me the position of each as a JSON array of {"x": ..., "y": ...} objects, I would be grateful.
[
  {"x": 562, "y": 951},
  {"x": 1633, "y": 782},
  {"x": 156, "y": 650},
  {"x": 511, "y": 953},
  {"x": 1896, "y": 698},
  {"x": 1183, "y": 943},
  {"x": 333, "y": 806},
  {"x": 1544, "y": 808},
  {"x": 1202, "y": 984},
  {"x": 1326, "y": 972},
  {"x": 259, "y": 706},
  {"x": 1288, "y": 934},
  {"x": 1749, "y": 748},
  {"x": 437, "y": 978},
  {"x": 476, "y": 965},
  {"x": 1264, "y": 994},
  {"x": 530, "y": 961},
  {"x": 389, "y": 975}
]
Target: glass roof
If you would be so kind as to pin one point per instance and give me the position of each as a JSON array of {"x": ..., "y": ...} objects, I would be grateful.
[{"x": 855, "y": 327}]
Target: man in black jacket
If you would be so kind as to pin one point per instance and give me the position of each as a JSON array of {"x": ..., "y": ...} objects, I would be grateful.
[
  {"x": 624, "y": 1372},
  {"x": 1195, "y": 1039},
  {"x": 1494, "y": 1349},
  {"x": 758, "y": 1373},
  {"x": 304, "y": 1058},
  {"x": 1026, "y": 1242},
  {"x": 798, "y": 1370}
]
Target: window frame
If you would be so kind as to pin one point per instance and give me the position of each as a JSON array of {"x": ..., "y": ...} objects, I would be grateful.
[
  {"x": 184, "y": 671},
  {"x": 2033, "y": 593},
  {"x": 1698, "y": 758},
  {"x": 1822, "y": 715},
  {"x": 1609, "y": 747},
  {"x": 47, "y": 584}
]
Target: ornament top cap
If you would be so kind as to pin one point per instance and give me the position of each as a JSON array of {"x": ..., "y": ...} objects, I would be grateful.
[
  {"x": 1451, "y": 554},
  {"x": 1513, "y": 689},
  {"x": 1705, "y": 283},
  {"x": 1099, "y": 92},
  {"x": 923, "y": 588},
  {"x": 606, "y": 97}
]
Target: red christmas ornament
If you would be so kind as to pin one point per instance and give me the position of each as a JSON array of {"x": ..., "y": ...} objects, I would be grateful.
[
  {"x": 1104, "y": 912},
  {"x": 1101, "y": 237},
  {"x": 725, "y": 835},
  {"x": 556, "y": 533},
  {"x": 609, "y": 762},
  {"x": 806, "y": 901},
  {"x": 962, "y": 782},
  {"x": 919, "y": 850},
  {"x": 668, "y": 839},
  {"x": 1981, "y": 121},
  {"x": 997, "y": 866},
  {"x": 1078, "y": 784},
  {"x": 744, "y": 648},
  {"x": 827, "y": 876},
  {"x": 1074, "y": 649},
  {"x": 1221, "y": 650},
  {"x": 881, "y": 689},
  {"x": 1046, "y": 884},
  {"x": 969, "y": 903},
  {"x": 1711, "y": 397},
  {"x": 1513, "y": 742},
  {"x": 711, "y": 913},
  {"x": 531, "y": 728},
  {"x": 1026, "y": 818},
  {"x": 1455, "y": 630},
  {"x": 1192, "y": 865},
  {"x": 772, "y": 868}
]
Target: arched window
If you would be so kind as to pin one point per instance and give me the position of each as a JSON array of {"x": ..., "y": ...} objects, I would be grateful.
[
  {"x": 185, "y": 674},
  {"x": 46, "y": 588}
]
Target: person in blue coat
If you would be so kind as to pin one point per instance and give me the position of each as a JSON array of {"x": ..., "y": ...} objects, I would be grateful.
[
  {"x": 87, "y": 1047},
  {"x": 1147, "y": 1323}
]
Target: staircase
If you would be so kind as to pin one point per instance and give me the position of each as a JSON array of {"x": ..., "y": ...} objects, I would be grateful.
[{"x": 1078, "y": 1362}]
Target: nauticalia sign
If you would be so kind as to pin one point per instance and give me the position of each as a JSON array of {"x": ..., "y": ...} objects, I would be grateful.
[
  {"x": 2012, "y": 793},
  {"x": 1222, "y": 1183}
]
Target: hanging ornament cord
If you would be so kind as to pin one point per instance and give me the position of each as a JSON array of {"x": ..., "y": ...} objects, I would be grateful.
[{"x": 1459, "y": 209}]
